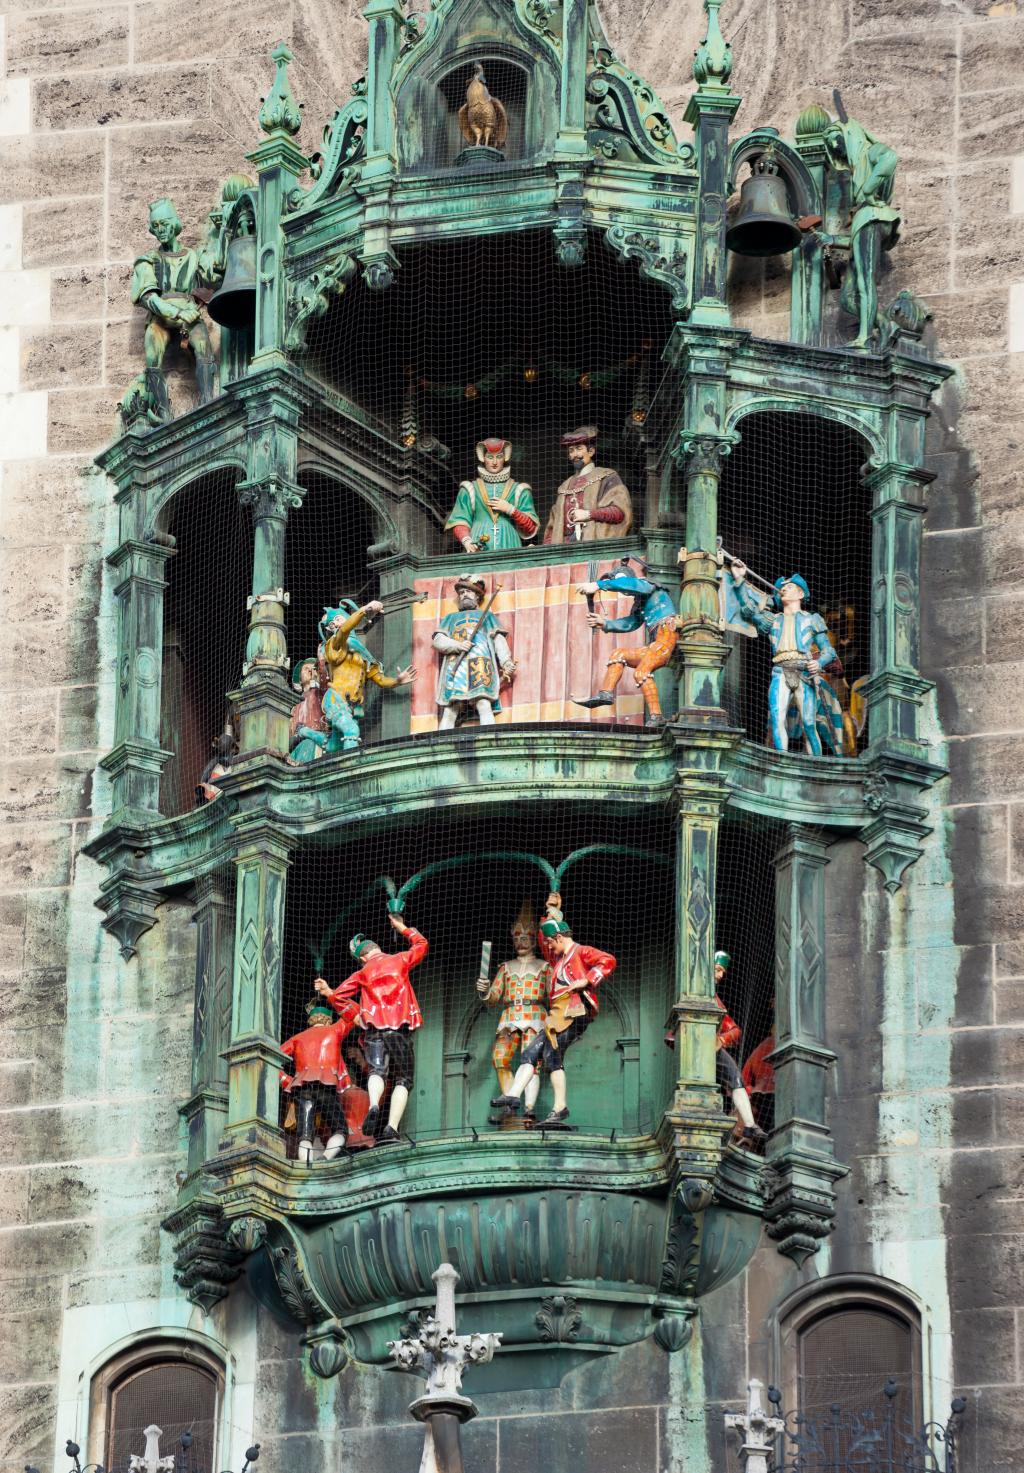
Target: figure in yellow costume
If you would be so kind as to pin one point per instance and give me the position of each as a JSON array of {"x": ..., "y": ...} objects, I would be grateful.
[
  {"x": 522, "y": 985},
  {"x": 349, "y": 665}
]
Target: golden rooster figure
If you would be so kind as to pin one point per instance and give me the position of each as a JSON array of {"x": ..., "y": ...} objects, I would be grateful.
[{"x": 482, "y": 118}]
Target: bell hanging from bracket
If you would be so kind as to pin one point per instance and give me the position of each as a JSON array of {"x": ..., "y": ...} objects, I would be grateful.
[
  {"x": 764, "y": 224},
  {"x": 233, "y": 304}
]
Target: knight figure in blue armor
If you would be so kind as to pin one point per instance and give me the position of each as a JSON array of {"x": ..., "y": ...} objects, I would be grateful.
[{"x": 800, "y": 701}]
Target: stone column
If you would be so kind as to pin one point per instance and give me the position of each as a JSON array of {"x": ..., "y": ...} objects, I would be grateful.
[
  {"x": 137, "y": 758},
  {"x": 703, "y": 644},
  {"x": 386, "y": 21},
  {"x": 710, "y": 111},
  {"x": 807, "y": 292},
  {"x": 572, "y": 120},
  {"x": 265, "y": 698},
  {"x": 895, "y": 689},
  {"x": 279, "y": 163},
  {"x": 253, "y": 1054},
  {"x": 206, "y": 1111},
  {"x": 800, "y": 1150},
  {"x": 695, "y": 1116}
]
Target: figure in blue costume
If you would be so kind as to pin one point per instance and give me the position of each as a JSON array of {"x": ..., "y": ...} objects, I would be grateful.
[
  {"x": 801, "y": 649},
  {"x": 476, "y": 657},
  {"x": 653, "y": 607}
]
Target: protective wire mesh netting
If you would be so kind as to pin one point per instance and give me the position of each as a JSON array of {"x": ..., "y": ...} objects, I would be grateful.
[
  {"x": 176, "y": 1398},
  {"x": 793, "y": 501},
  {"x": 474, "y": 340}
]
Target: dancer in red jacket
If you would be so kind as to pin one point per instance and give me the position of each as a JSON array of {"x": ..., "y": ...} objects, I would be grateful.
[
  {"x": 319, "y": 1076},
  {"x": 390, "y": 1015},
  {"x": 576, "y": 973}
]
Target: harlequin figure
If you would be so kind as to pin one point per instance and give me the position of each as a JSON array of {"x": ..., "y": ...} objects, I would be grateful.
[
  {"x": 349, "y": 666},
  {"x": 654, "y": 609},
  {"x": 576, "y": 973},
  {"x": 522, "y": 985},
  {"x": 164, "y": 282},
  {"x": 476, "y": 657},
  {"x": 319, "y": 1077},
  {"x": 493, "y": 510},
  {"x": 390, "y": 1017},
  {"x": 796, "y": 670},
  {"x": 592, "y": 503},
  {"x": 307, "y": 728}
]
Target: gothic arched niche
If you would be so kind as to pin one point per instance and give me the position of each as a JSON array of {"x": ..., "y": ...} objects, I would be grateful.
[
  {"x": 204, "y": 628},
  {"x": 429, "y": 99}
]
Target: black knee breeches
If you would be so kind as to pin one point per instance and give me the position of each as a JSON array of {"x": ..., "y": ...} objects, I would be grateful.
[
  {"x": 542, "y": 1050},
  {"x": 389, "y": 1053},
  {"x": 727, "y": 1071},
  {"x": 313, "y": 1097}
]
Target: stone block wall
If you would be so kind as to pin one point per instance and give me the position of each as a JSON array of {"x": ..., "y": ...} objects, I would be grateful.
[{"x": 104, "y": 107}]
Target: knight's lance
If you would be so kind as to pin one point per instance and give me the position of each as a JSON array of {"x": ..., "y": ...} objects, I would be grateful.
[{"x": 477, "y": 627}]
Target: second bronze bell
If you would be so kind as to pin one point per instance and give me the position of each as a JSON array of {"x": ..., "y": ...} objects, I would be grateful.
[{"x": 234, "y": 303}]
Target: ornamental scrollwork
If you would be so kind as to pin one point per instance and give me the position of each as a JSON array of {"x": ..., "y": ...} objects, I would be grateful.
[
  {"x": 343, "y": 146},
  {"x": 247, "y": 1234},
  {"x": 665, "y": 262},
  {"x": 294, "y": 1287},
  {"x": 314, "y": 297},
  {"x": 627, "y": 118},
  {"x": 704, "y": 453},
  {"x": 558, "y": 1320}
]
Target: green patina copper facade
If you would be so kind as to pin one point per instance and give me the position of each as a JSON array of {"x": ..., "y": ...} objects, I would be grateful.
[{"x": 639, "y": 1223}]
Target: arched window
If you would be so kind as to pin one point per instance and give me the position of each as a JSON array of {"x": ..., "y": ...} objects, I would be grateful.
[
  {"x": 176, "y": 1387},
  {"x": 842, "y": 1341}
]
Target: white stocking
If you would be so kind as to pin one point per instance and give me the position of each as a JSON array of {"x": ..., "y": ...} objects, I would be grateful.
[
  {"x": 558, "y": 1088},
  {"x": 741, "y": 1104},
  {"x": 447, "y": 719},
  {"x": 485, "y": 711},
  {"x": 399, "y": 1100},
  {"x": 524, "y": 1074},
  {"x": 375, "y": 1089},
  {"x": 532, "y": 1091}
]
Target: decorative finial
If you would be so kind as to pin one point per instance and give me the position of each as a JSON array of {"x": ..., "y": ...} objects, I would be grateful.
[
  {"x": 712, "y": 61},
  {"x": 280, "y": 113}
]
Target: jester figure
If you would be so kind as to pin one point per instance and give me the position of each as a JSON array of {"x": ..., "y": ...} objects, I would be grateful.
[
  {"x": 349, "y": 665},
  {"x": 654, "y": 609},
  {"x": 522, "y": 985},
  {"x": 576, "y": 973},
  {"x": 319, "y": 1077},
  {"x": 493, "y": 511},
  {"x": 475, "y": 657},
  {"x": 390, "y": 1016},
  {"x": 801, "y": 648}
]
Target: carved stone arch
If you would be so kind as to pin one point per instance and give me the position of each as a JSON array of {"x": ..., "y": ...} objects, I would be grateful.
[
  {"x": 838, "y": 413},
  {"x": 829, "y": 1299},
  {"x": 161, "y": 498},
  {"x": 387, "y": 527},
  {"x": 805, "y": 196}
]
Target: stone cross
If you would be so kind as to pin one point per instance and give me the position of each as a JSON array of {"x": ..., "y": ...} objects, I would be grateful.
[
  {"x": 151, "y": 1461},
  {"x": 756, "y": 1428},
  {"x": 441, "y": 1355}
]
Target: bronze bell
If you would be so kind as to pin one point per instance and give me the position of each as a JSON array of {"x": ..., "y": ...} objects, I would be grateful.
[
  {"x": 763, "y": 225},
  {"x": 233, "y": 304}
]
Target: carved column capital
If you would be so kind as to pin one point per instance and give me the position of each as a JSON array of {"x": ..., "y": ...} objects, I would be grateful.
[{"x": 702, "y": 454}]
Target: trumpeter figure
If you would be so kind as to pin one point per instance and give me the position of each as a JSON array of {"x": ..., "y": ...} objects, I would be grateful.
[{"x": 798, "y": 697}]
